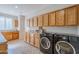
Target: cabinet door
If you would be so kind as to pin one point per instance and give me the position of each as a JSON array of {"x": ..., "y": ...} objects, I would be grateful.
[
  {"x": 71, "y": 16},
  {"x": 15, "y": 35},
  {"x": 45, "y": 20},
  {"x": 27, "y": 37},
  {"x": 31, "y": 22},
  {"x": 51, "y": 19},
  {"x": 35, "y": 21},
  {"x": 32, "y": 39},
  {"x": 8, "y": 35},
  {"x": 40, "y": 21},
  {"x": 78, "y": 14},
  {"x": 3, "y": 48},
  {"x": 37, "y": 40},
  {"x": 60, "y": 18}
]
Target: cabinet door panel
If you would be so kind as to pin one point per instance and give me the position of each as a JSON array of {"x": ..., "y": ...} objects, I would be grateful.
[
  {"x": 15, "y": 35},
  {"x": 60, "y": 18},
  {"x": 45, "y": 20},
  {"x": 3, "y": 48},
  {"x": 32, "y": 39},
  {"x": 31, "y": 22},
  {"x": 52, "y": 19},
  {"x": 35, "y": 21},
  {"x": 40, "y": 20},
  {"x": 8, "y": 35},
  {"x": 71, "y": 16},
  {"x": 37, "y": 40},
  {"x": 28, "y": 37},
  {"x": 78, "y": 14}
]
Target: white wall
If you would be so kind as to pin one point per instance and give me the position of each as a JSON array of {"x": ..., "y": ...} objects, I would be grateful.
[
  {"x": 69, "y": 30},
  {"x": 78, "y": 30}
]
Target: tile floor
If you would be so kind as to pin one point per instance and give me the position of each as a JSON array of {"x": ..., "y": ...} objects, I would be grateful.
[{"x": 21, "y": 47}]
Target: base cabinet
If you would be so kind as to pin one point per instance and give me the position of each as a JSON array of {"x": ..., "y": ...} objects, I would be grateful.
[
  {"x": 7, "y": 35},
  {"x": 27, "y": 37},
  {"x": 32, "y": 39},
  {"x": 37, "y": 40},
  {"x": 11, "y": 35},
  {"x": 15, "y": 35},
  {"x": 3, "y": 48}
]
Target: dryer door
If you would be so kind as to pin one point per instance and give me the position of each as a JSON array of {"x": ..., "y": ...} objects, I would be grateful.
[
  {"x": 45, "y": 43},
  {"x": 63, "y": 47}
]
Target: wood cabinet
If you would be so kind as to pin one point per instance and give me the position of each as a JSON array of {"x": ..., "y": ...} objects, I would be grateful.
[
  {"x": 8, "y": 35},
  {"x": 71, "y": 16},
  {"x": 31, "y": 22},
  {"x": 3, "y": 48},
  {"x": 52, "y": 19},
  {"x": 11, "y": 35},
  {"x": 40, "y": 21},
  {"x": 27, "y": 37},
  {"x": 32, "y": 39},
  {"x": 63, "y": 17},
  {"x": 60, "y": 19},
  {"x": 37, "y": 40},
  {"x": 35, "y": 21},
  {"x": 78, "y": 14},
  {"x": 45, "y": 20},
  {"x": 15, "y": 35}
]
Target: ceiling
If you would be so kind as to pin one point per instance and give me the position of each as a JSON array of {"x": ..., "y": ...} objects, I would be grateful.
[{"x": 30, "y": 9}]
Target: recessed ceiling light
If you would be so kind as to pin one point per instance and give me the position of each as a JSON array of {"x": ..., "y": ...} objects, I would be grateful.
[{"x": 16, "y": 6}]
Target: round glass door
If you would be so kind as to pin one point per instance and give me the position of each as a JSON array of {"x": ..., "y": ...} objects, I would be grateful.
[
  {"x": 45, "y": 43},
  {"x": 63, "y": 47}
]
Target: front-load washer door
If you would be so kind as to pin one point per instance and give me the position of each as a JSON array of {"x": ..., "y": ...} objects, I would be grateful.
[
  {"x": 45, "y": 43},
  {"x": 63, "y": 47}
]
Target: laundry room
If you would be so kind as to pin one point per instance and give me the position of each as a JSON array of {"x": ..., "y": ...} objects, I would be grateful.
[
  {"x": 49, "y": 29},
  {"x": 58, "y": 21}
]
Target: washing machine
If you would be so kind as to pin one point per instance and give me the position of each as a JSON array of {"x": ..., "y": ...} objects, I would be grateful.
[
  {"x": 62, "y": 44},
  {"x": 46, "y": 43},
  {"x": 74, "y": 41}
]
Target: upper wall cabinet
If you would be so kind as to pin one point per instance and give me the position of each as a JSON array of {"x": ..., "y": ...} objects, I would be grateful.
[
  {"x": 45, "y": 20},
  {"x": 64, "y": 17},
  {"x": 35, "y": 21},
  {"x": 60, "y": 18},
  {"x": 40, "y": 21},
  {"x": 31, "y": 22},
  {"x": 78, "y": 14},
  {"x": 52, "y": 19},
  {"x": 71, "y": 16}
]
